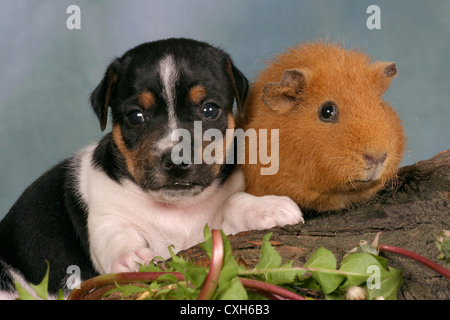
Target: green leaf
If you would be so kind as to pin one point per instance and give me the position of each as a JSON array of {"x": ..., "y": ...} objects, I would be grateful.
[
  {"x": 175, "y": 258},
  {"x": 443, "y": 244},
  {"x": 335, "y": 296},
  {"x": 207, "y": 245},
  {"x": 283, "y": 275},
  {"x": 167, "y": 278},
  {"x": 324, "y": 259},
  {"x": 445, "y": 247},
  {"x": 41, "y": 290},
  {"x": 388, "y": 285},
  {"x": 152, "y": 266},
  {"x": 128, "y": 290},
  {"x": 269, "y": 257},
  {"x": 383, "y": 261},
  {"x": 61, "y": 295},
  {"x": 178, "y": 264},
  {"x": 23, "y": 293},
  {"x": 229, "y": 284},
  {"x": 233, "y": 290},
  {"x": 270, "y": 265},
  {"x": 358, "y": 266},
  {"x": 196, "y": 275}
]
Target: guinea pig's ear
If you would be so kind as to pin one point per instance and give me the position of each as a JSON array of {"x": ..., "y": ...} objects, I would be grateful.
[
  {"x": 100, "y": 97},
  {"x": 384, "y": 73},
  {"x": 240, "y": 85},
  {"x": 281, "y": 96}
]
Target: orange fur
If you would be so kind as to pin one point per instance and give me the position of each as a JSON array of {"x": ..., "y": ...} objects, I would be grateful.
[
  {"x": 321, "y": 164},
  {"x": 197, "y": 94},
  {"x": 129, "y": 155},
  {"x": 138, "y": 157},
  {"x": 146, "y": 99}
]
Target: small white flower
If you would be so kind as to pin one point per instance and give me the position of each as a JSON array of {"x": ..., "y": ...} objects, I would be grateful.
[{"x": 355, "y": 293}]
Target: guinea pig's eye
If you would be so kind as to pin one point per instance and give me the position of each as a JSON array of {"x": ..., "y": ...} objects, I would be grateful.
[
  {"x": 135, "y": 117},
  {"x": 210, "y": 111},
  {"x": 328, "y": 112}
]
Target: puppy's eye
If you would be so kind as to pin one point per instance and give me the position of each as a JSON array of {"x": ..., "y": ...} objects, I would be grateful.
[
  {"x": 210, "y": 111},
  {"x": 135, "y": 117},
  {"x": 328, "y": 112}
]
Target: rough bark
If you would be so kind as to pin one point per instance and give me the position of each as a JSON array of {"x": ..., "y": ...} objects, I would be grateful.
[{"x": 410, "y": 212}]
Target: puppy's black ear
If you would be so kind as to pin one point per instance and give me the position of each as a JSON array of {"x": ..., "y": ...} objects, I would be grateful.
[
  {"x": 100, "y": 97},
  {"x": 240, "y": 85}
]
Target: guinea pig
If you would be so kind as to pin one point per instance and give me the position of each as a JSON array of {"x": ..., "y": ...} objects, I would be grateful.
[{"x": 339, "y": 141}]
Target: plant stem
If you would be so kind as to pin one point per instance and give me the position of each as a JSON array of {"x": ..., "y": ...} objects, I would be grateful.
[
  {"x": 212, "y": 279},
  {"x": 433, "y": 265},
  {"x": 300, "y": 270},
  {"x": 264, "y": 287},
  {"x": 104, "y": 280}
]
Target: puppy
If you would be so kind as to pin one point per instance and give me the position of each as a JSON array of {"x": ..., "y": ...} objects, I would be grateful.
[{"x": 124, "y": 200}]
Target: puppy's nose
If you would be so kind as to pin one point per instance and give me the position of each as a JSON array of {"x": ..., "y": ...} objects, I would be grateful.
[{"x": 171, "y": 167}]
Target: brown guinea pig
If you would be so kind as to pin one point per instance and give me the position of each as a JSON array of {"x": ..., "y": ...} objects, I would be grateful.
[{"x": 339, "y": 141}]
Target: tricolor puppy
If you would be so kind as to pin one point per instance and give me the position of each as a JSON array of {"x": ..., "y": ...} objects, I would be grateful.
[{"x": 125, "y": 200}]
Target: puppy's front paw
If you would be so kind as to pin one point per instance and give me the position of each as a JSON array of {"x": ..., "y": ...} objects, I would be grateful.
[
  {"x": 247, "y": 212},
  {"x": 274, "y": 211},
  {"x": 130, "y": 260}
]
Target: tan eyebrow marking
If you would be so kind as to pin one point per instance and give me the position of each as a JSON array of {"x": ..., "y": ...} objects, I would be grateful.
[
  {"x": 146, "y": 99},
  {"x": 197, "y": 94}
]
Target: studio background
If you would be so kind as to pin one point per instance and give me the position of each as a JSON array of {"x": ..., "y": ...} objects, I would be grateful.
[{"x": 48, "y": 71}]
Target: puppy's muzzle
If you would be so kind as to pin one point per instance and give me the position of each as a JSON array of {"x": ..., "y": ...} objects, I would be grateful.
[{"x": 173, "y": 169}]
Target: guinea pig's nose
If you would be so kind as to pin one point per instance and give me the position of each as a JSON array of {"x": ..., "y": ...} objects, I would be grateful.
[
  {"x": 168, "y": 164},
  {"x": 374, "y": 159}
]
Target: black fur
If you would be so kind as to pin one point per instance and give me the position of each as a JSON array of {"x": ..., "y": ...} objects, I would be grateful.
[
  {"x": 49, "y": 221},
  {"x": 137, "y": 71}
]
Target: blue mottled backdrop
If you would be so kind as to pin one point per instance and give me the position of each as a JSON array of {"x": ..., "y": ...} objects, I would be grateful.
[{"x": 47, "y": 71}]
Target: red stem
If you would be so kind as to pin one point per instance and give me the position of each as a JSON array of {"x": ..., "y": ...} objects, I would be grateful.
[
  {"x": 270, "y": 288},
  {"x": 433, "y": 265},
  {"x": 126, "y": 277},
  {"x": 212, "y": 279}
]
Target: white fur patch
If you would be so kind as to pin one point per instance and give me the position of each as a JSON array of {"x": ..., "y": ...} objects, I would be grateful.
[
  {"x": 124, "y": 218},
  {"x": 168, "y": 74},
  {"x": 127, "y": 225}
]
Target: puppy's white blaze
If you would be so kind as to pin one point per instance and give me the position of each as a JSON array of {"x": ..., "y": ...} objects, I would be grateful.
[{"x": 168, "y": 74}]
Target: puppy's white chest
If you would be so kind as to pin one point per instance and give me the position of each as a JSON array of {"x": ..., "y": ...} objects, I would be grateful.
[
  {"x": 122, "y": 217},
  {"x": 127, "y": 227}
]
